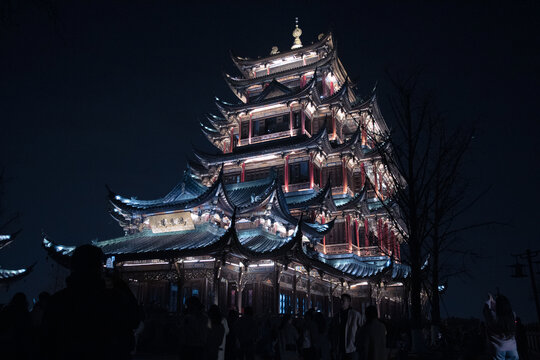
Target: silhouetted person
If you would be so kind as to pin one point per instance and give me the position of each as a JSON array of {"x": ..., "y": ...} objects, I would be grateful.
[
  {"x": 501, "y": 328},
  {"x": 39, "y": 309},
  {"x": 87, "y": 319},
  {"x": 345, "y": 330},
  {"x": 322, "y": 345},
  {"x": 194, "y": 331},
  {"x": 247, "y": 334},
  {"x": 15, "y": 329},
  {"x": 287, "y": 339},
  {"x": 216, "y": 334},
  {"x": 373, "y": 336},
  {"x": 231, "y": 348}
]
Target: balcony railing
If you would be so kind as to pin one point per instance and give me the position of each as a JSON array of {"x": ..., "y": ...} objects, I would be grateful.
[
  {"x": 266, "y": 137},
  {"x": 344, "y": 248}
]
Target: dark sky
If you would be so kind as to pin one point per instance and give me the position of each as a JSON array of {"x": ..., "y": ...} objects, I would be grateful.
[{"x": 100, "y": 92}]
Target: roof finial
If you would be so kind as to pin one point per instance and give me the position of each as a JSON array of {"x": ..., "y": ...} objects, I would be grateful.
[{"x": 297, "y": 32}]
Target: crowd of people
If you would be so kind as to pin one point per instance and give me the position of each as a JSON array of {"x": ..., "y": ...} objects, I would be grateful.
[{"x": 97, "y": 317}]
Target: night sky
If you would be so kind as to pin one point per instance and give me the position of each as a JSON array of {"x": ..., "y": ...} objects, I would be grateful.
[{"x": 100, "y": 92}]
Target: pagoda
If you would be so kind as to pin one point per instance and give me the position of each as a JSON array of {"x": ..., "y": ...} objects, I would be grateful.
[
  {"x": 287, "y": 213},
  {"x": 9, "y": 275}
]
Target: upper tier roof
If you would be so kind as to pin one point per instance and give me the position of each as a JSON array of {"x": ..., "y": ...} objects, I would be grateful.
[{"x": 243, "y": 63}]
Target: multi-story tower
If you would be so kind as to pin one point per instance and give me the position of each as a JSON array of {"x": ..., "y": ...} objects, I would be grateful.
[{"x": 288, "y": 207}]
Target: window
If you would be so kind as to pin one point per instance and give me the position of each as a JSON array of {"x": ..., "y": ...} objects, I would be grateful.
[
  {"x": 245, "y": 130},
  {"x": 299, "y": 172}
]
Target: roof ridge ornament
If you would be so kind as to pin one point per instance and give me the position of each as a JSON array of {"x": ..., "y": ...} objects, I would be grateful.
[{"x": 297, "y": 32}]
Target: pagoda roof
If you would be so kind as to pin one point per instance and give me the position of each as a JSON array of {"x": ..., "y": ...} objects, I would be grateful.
[
  {"x": 217, "y": 121},
  {"x": 250, "y": 244},
  {"x": 7, "y": 275},
  {"x": 7, "y": 239},
  {"x": 265, "y": 99},
  {"x": 323, "y": 196},
  {"x": 275, "y": 147},
  {"x": 243, "y": 62},
  {"x": 240, "y": 83},
  {"x": 243, "y": 198}
]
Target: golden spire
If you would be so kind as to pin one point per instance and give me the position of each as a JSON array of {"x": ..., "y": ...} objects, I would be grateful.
[{"x": 297, "y": 32}]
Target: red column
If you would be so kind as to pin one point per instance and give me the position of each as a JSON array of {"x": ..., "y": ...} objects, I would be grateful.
[
  {"x": 348, "y": 231},
  {"x": 386, "y": 237},
  {"x": 331, "y": 88},
  {"x": 366, "y": 232},
  {"x": 393, "y": 241},
  {"x": 243, "y": 173},
  {"x": 286, "y": 173},
  {"x": 231, "y": 147},
  {"x": 290, "y": 121},
  {"x": 380, "y": 233},
  {"x": 344, "y": 174},
  {"x": 303, "y": 121},
  {"x": 363, "y": 174},
  {"x": 311, "y": 180},
  {"x": 324, "y": 237},
  {"x": 364, "y": 136},
  {"x": 249, "y": 136},
  {"x": 333, "y": 125},
  {"x": 356, "y": 231},
  {"x": 375, "y": 181}
]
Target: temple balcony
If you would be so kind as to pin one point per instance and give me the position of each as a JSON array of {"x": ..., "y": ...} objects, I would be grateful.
[
  {"x": 344, "y": 248},
  {"x": 266, "y": 137}
]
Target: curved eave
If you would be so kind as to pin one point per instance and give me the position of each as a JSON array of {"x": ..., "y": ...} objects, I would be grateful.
[
  {"x": 7, "y": 239},
  {"x": 166, "y": 206},
  {"x": 243, "y": 83},
  {"x": 355, "y": 202},
  {"x": 315, "y": 200},
  {"x": 59, "y": 253},
  {"x": 216, "y": 121},
  {"x": 319, "y": 141},
  {"x": 300, "y": 94},
  {"x": 242, "y": 62},
  {"x": 9, "y": 275}
]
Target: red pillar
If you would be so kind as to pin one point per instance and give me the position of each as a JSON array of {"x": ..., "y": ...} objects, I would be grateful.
[
  {"x": 333, "y": 125},
  {"x": 286, "y": 173},
  {"x": 249, "y": 136},
  {"x": 348, "y": 231},
  {"x": 303, "y": 117},
  {"x": 380, "y": 232},
  {"x": 375, "y": 181},
  {"x": 386, "y": 237},
  {"x": 231, "y": 147},
  {"x": 324, "y": 237},
  {"x": 366, "y": 232},
  {"x": 356, "y": 231},
  {"x": 331, "y": 88},
  {"x": 344, "y": 174},
  {"x": 243, "y": 173},
  {"x": 364, "y": 136},
  {"x": 311, "y": 180}
]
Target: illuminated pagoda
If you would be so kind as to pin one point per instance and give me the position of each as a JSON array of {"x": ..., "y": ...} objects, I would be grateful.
[
  {"x": 287, "y": 214},
  {"x": 9, "y": 275}
]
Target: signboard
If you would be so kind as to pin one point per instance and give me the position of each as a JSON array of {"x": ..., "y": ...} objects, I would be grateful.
[{"x": 171, "y": 222}]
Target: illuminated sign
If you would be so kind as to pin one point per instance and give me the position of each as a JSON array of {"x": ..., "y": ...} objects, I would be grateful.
[{"x": 178, "y": 221}]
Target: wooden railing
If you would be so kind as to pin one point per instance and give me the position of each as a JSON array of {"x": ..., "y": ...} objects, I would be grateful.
[
  {"x": 344, "y": 248},
  {"x": 265, "y": 137}
]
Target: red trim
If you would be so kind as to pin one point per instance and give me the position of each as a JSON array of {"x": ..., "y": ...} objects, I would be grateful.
[
  {"x": 366, "y": 232},
  {"x": 324, "y": 237},
  {"x": 344, "y": 174},
  {"x": 286, "y": 173},
  {"x": 331, "y": 88},
  {"x": 311, "y": 181},
  {"x": 333, "y": 125},
  {"x": 357, "y": 232},
  {"x": 231, "y": 147},
  {"x": 303, "y": 121},
  {"x": 348, "y": 231},
  {"x": 243, "y": 173}
]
